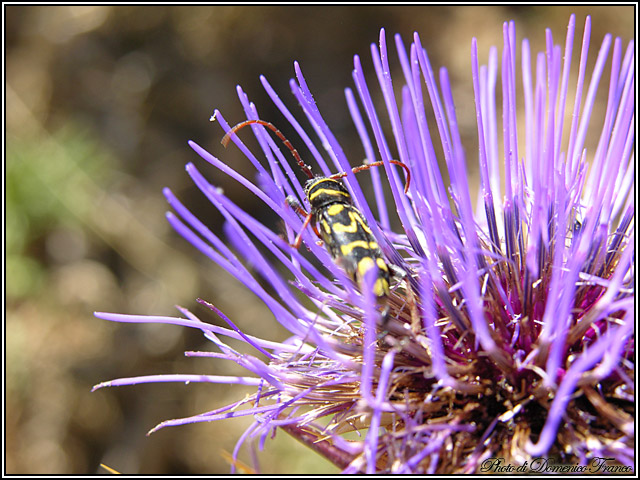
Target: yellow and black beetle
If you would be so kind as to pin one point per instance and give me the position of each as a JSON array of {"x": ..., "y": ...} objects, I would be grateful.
[{"x": 336, "y": 220}]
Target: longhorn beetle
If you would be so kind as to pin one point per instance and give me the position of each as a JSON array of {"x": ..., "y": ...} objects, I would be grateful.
[{"x": 336, "y": 220}]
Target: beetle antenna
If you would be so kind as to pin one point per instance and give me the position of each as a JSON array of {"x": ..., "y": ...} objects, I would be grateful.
[
  {"x": 227, "y": 138},
  {"x": 367, "y": 166}
]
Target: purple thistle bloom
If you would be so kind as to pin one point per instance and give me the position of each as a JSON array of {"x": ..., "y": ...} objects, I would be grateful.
[{"x": 509, "y": 332}]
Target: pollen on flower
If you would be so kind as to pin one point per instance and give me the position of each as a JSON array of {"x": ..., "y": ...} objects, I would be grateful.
[{"x": 500, "y": 327}]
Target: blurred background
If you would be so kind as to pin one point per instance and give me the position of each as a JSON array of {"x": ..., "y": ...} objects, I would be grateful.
[{"x": 101, "y": 101}]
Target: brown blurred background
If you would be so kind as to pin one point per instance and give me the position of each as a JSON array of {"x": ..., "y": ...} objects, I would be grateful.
[{"x": 101, "y": 101}]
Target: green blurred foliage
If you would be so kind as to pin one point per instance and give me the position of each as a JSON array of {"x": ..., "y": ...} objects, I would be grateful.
[{"x": 50, "y": 182}]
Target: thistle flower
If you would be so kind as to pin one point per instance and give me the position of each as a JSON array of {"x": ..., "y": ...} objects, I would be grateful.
[{"x": 507, "y": 336}]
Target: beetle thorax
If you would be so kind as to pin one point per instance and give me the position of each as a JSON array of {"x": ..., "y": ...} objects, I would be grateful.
[{"x": 322, "y": 191}]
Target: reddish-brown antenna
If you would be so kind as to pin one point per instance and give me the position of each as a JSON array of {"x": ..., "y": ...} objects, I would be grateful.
[
  {"x": 227, "y": 138},
  {"x": 366, "y": 166},
  {"x": 306, "y": 168}
]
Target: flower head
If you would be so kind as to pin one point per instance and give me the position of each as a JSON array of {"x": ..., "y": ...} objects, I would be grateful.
[{"x": 506, "y": 327}]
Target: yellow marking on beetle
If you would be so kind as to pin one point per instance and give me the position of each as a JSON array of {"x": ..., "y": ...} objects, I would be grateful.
[
  {"x": 351, "y": 228},
  {"x": 335, "y": 209},
  {"x": 365, "y": 265},
  {"x": 348, "y": 248},
  {"x": 381, "y": 287},
  {"x": 328, "y": 191},
  {"x": 319, "y": 181},
  {"x": 381, "y": 265},
  {"x": 362, "y": 223},
  {"x": 326, "y": 226}
]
